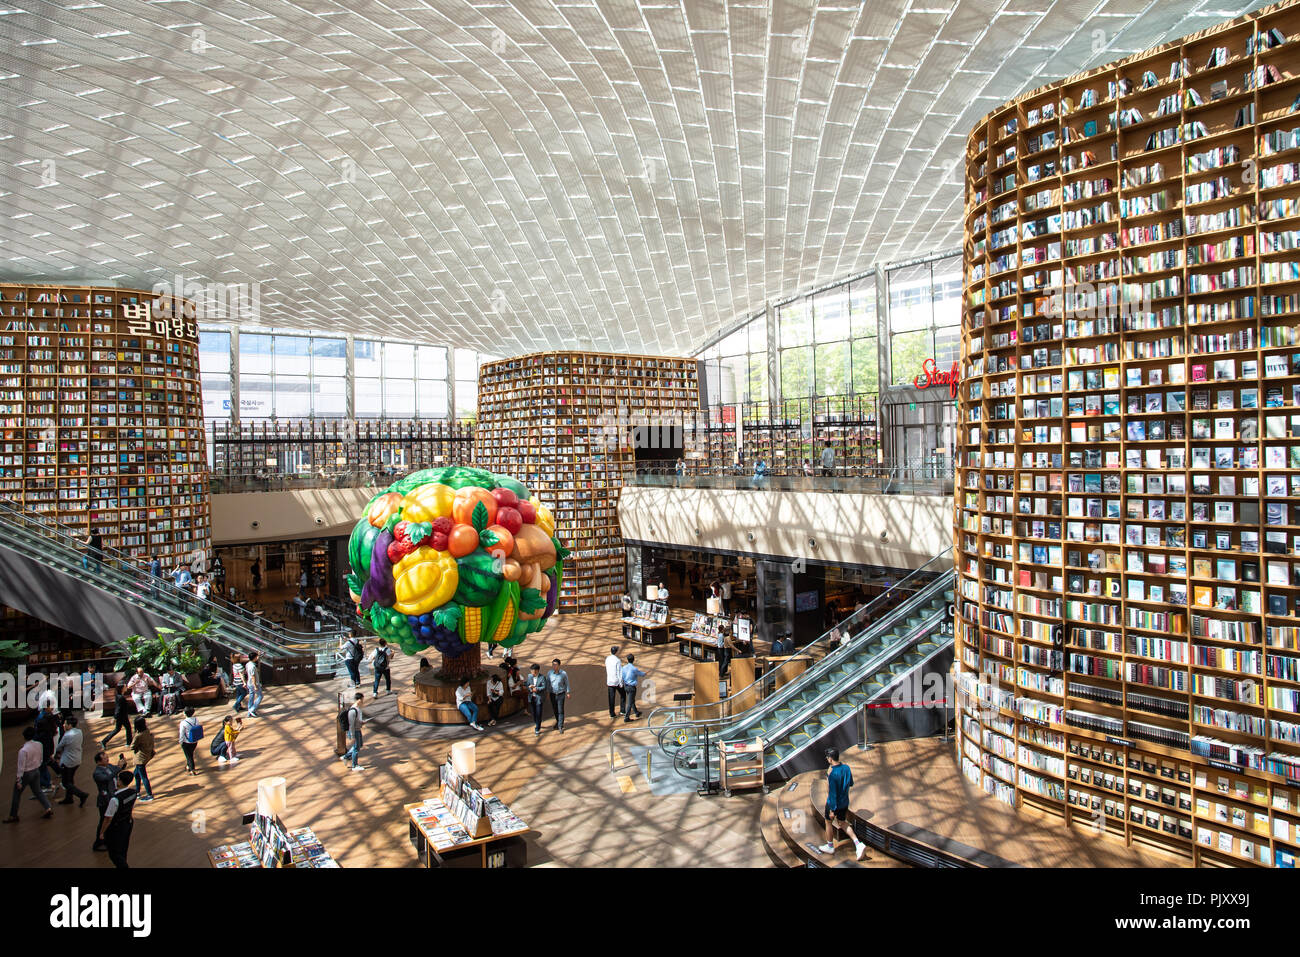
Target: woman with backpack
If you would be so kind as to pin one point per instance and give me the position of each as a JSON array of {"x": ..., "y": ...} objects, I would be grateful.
[{"x": 191, "y": 733}]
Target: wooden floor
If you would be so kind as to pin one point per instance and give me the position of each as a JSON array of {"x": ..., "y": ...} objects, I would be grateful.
[
  {"x": 918, "y": 782},
  {"x": 562, "y": 785}
]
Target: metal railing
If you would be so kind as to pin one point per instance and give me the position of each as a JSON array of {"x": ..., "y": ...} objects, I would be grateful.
[
  {"x": 783, "y": 680},
  {"x": 126, "y": 578},
  {"x": 230, "y": 482},
  {"x": 878, "y": 480}
]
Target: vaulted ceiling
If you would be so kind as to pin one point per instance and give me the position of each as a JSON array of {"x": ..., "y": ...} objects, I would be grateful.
[{"x": 514, "y": 176}]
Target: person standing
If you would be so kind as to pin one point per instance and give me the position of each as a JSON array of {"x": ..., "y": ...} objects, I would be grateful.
[
  {"x": 381, "y": 660},
  {"x": 496, "y": 693},
  {"x": 30, "y": 759},
  {"x": 560, "y": 691},
  {"x": 191, "y": 733},
  {"x": 69, "y": 758},
  {"x": 726, "y": 596},
  {"x": 115, "y": 829},
  {"x": 355, "y": 719},
  {"x": 828, "y": 460},
  {"x": 631, "y": 676},
  {"x": 140, "y": 689},
  {"x": 94, "y": 553},
  {"x": 240, "y": 676},
  {"x": 353, "y": 650},
  {"x": 155, "y": 573},
  {"x": 465, "y": 704},
  {"x": 626, "y": 603},
  {"x": 105, "y": 777},
  {"x": 121, "y": 717},
  {"x": 255, "y": 573},
  {"x": 537, "y": 686},
  {"x": 614, "y": 680},
  {"x": 47, "y": 732},
  {"x": 253, "y": 682},
  {"x": 838, "y": 781},
  {"x": 144, "y": 751}
]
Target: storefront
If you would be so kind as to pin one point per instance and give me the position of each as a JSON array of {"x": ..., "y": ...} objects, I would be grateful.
[{"x": 919, "y": 427}]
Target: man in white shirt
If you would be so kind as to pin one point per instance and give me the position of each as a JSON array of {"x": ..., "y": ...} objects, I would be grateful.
[
  {"x": 828, "y": 461},
  {"x": 614, "y": 680},
  {"x": 253, "y": 679},
  {"x": 68, "y": 755},
  {"x": 30, "y": 758}
]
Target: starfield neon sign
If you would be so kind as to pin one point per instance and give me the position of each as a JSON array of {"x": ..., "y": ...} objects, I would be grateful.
[{"x": 931, "y": 376}]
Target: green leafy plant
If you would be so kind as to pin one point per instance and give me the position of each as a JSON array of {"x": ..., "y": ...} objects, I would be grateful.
[
  {"x": 165, "y": 648},
  {"x": 12, "y": 653}
]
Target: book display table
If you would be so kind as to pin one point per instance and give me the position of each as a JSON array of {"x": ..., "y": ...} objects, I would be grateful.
[
  {"x": 271, "y": 844},
  {"x": 466, "y": 825}
]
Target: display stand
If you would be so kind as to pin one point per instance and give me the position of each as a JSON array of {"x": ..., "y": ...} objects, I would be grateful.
[
  {"x": 271, "y": 844},
  {"x": 740, "y": 765},
  {"x": 466, "y": 825},
  {"x": 648, "y": 623}
]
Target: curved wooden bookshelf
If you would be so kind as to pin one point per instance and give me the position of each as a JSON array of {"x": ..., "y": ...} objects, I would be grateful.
[
  {"x": 101, "y": 417},
  {"x": 1127, "y": 523}
]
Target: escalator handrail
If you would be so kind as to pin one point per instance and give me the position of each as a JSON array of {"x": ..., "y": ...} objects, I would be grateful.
[
  {"x": 667, "y": 713},
  {"x": 125, "y": 563},
  {"x": 834, "y": 690},
  {"x": 154, "y": 593},
  {"x": 833, "y": 660}
]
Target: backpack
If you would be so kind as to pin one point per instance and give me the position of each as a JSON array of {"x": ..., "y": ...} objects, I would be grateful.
[
  {"x": 381, "y": 658},
  {"x": 345, "y": 718},
  {"x": 193, "y": 732},
  {"x": 217, "y": 742},
  {"x": 354, "y": 649}
]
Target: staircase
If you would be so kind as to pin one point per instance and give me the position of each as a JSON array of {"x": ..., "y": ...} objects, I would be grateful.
[
  {"x": 46, "y": 573},
  {"x": 792, "y": 823},
  {"x": 904, "y": 633}
]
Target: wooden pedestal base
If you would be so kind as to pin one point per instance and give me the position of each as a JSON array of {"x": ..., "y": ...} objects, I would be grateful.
[{"x": 434, "y": 701}]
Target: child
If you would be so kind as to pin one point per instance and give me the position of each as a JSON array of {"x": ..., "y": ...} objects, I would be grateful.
[{"x": 230, "y": 730}]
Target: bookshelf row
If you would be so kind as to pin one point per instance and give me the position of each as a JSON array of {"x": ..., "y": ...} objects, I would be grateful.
[
  {"x": 563, "y": 423},
  {"x": 100, "y": 421},
  {"x": 1128, "y": 479}
]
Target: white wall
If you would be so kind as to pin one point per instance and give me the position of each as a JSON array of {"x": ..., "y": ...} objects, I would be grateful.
[
  {"x": 846, "y": 526},
  {"x": 283, "y": 516}
]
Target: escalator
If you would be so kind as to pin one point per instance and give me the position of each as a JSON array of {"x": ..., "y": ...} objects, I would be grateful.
[
  {"x": 45, "y": 572},
  {"x": 901, "y": 635}
]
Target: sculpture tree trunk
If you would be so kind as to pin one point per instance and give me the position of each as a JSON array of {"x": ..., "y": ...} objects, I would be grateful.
[{"x": 467, "y": 664}]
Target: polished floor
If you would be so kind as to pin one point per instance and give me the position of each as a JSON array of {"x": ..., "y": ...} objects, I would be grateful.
[{"x": 583, "y": 813}]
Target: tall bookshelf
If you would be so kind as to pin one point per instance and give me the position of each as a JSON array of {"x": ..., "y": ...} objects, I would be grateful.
[
  {"x": 101, "y": 423},
  {"x": 289, "y": 446},
  {"x": 1127, "y": 523},
  {"x": 562, "y": 423}
]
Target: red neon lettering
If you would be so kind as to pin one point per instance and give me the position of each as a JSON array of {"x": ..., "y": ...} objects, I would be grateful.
[{"x": 930, "y": 375}]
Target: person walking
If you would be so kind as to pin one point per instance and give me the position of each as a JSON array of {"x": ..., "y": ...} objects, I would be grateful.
[
  {"x": 537, "y": 686},
  {"x": 191, "y": 733},
  {"x": 560, "y": 691},
  {"x": 381, "y": 660},
  {"x": 253, "y": 682},
  {"x": 47, "y": 726},
  {"x": 30, "y": 759},
  {"x": 140, "y": 689},
  {"x": 115, "y": 829},
  {"x": 614, "y": 680},
  {"x": 496, "y": 693},
  {"x": 465, "y": 704},
  {"x": 69, "y": 759},
  {"x": 353, "y": 651},
  {"x": 631, "y": 676},
  {"x": 355, "y": 719},
  {"x": 838, "y": 781},
  {"x": 239, "y": 675},
  {"x": 121, "y": 717},
  {"x": 144, "y": 751},
  {"x": 105, "y": 777}
]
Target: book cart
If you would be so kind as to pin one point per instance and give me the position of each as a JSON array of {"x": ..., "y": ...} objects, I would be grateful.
[
  {"x": 1128, "y": 480},
  {"x": 740, "y": 766},
  {"x": 466, "y": 825},
  {"x": 101, "y": 419},
  {"x": 568, "y": 425}
]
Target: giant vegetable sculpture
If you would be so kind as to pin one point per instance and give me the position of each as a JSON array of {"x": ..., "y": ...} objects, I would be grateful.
[{"x": 450, "y": 558}]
